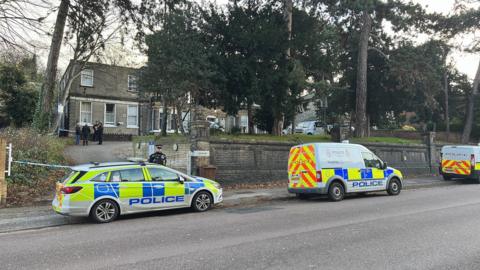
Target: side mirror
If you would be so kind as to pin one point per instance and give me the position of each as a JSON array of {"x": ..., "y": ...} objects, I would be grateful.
[
  {"x": 384, "y": 165},
  {"x": 181, "y": 179}
]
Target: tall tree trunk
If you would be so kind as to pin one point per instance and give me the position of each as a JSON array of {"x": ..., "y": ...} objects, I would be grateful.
[
  {"x": 361, "y": 92},
  {"x": 447, "y": 117},
  {"x": 293, "y": 122},
  {"x": 164, "y": 118},
  {"x": 467, "y": 130},
  {"x": 48, "y": 86},
  {"x": 288, "y": 19},
  {"x": 180, "y": 119},
  {"x": 250, "y": 118},
  {"x": 279, "y": 119}
]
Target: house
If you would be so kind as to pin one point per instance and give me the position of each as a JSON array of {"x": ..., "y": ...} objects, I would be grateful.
[
  {"x": 308, "y": 110},
  {"x": 109, "y": 94}
]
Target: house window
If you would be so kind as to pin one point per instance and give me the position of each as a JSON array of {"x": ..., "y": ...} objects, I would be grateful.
[
  {"x": 86, "y": 112},
  {"x": 110, "y": 114},
  {"x": 132, "y": 116},
  {"x": 86, "y": 77},
  {"x": 132, "y": 83}
]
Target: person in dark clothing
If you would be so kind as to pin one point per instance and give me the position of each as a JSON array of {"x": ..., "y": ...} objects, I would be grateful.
[
  {"x": 95, "y": 131},
  {"x": 100, "y": 132},
  {"x": 85, "y": 134},
  {"x": 158, "y": 157},
  {"x": 78, "y": 133}
]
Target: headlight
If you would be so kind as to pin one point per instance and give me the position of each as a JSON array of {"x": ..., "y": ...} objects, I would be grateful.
[{"x": 217, "y": 185}]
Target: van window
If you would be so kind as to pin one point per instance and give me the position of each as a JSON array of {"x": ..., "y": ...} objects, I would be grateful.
[{"x": 371, "y": 161}]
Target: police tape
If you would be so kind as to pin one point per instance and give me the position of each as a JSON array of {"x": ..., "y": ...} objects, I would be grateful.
[
  {"x": 41, "y": 164},
  {"x": 69, "y": 131}
]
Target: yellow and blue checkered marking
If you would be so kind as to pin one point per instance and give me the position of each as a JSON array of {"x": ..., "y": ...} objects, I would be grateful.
[
  {"x": 153, "y": 189},
  {"x": 357, "y": 174},
  {"x": 106, "y": 189},
  {"x": 191, "y": 187}
]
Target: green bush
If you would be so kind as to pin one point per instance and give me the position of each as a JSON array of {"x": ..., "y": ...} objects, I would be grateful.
[
  {"x": 235, "y": 130},
  {"x": 28, "y": 145}
]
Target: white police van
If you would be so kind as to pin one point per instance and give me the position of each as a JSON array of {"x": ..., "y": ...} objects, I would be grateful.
[
  {"x": 460, "y": 161},
  {"x": 339, "y": 168}
]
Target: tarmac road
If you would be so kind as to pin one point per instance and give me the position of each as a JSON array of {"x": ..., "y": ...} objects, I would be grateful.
[{"x": 431, "y": 228}]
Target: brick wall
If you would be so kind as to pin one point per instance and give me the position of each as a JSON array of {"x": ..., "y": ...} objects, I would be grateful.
[{"x": 242, "y": 161}]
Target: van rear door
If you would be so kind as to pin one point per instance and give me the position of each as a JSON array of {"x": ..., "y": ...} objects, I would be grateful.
[
  {"x": 457, "y": 160},
  {"x": 302, "y": 167}
]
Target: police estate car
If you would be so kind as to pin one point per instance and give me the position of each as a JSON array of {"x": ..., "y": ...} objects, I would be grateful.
[{"x": 104, "y": 191}]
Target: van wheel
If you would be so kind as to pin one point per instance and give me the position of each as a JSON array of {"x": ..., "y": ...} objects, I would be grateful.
[
  {"x": 336, "y": 192},
  {"x": 104, "y": 211},
  {"x": 446, "y": 177},
  {"x": 394, "y": 187}
]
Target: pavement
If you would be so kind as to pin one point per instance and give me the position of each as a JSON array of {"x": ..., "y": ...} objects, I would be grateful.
[
  {"x": 107, "y": 151},
  {"x": 422, "y": 228},
  {"x": 41, "y": 216}
]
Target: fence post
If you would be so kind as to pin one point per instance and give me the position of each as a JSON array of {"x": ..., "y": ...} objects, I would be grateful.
[{"x": 3, "y": 183}]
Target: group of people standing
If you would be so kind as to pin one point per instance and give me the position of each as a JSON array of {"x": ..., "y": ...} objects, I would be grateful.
[{"x": 84, "y": 132}]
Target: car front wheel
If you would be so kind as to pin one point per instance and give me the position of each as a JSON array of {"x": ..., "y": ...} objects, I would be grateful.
[{"x": 202, "y": 201}]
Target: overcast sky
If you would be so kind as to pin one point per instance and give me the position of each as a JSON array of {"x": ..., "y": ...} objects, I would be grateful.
[{"x": 465, "y": 62}]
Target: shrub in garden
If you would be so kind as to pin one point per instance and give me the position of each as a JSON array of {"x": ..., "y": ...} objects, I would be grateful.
[{"x": 28, "y": 183}]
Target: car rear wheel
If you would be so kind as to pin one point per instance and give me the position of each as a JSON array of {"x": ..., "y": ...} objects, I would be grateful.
[
  {"x": 104, "y": 211},
  {"x": 202, "y": 201},
  {"x": 336, "y": 192},
  {"x": 394, "y": 187}
]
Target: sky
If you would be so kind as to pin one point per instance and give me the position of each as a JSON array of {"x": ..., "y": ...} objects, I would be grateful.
[{"x": 465, "y": 62}]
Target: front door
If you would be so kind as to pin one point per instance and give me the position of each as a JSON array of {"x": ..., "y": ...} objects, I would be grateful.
[
  {"x": 131, "y": 183},
  {"x": 373, "y": 176},
  {"x": 167, "y": 189}
]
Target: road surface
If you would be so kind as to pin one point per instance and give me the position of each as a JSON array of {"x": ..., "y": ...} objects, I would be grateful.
[{"x": 432, "y": 228}]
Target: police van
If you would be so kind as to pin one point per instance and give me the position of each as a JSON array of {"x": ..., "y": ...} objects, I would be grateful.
[
  {"x": 460, "y": 161},
  {"x": 339, "y": 168},
  {"x": 104, "y": 191}
]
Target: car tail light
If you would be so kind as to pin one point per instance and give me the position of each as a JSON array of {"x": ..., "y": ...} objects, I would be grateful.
[
  {"x": 319, "y": 176},
  {"x": 472, "y": 161},
  {"x": 70, "y": 190}
]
